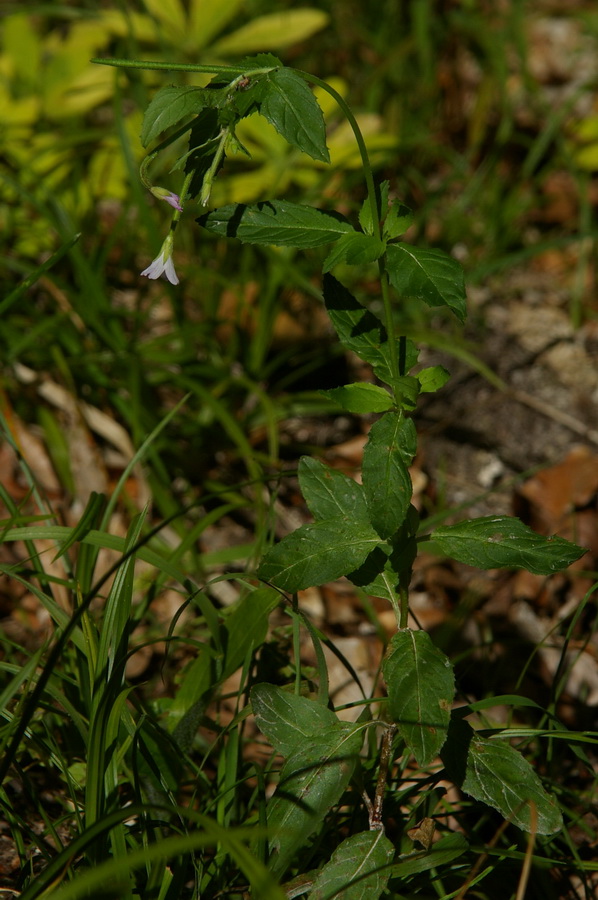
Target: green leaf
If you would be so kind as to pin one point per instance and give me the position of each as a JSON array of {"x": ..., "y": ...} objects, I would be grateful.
[
  {"x": 312, "y": 782},
  {"x": 197, "y": 680},
  {"x": 355, "y": 249},
  {"x": 315, "y": 554},
  {"x": 246, "y": 627},
  {"x": 495, "y": 542},
  {"x": 361, "y": 398},
  {"x": 407, "y": 389},
  {"x": 286, "y": 719},
  {"x": 389, "y": 564},
  {"x": 377, "y": 575},
  {"x": 361, "y": 331},
  {"x": 329, "y": 493},
  {"x": 387, "y": 455},
  {"x": 170, "y": 105},
  {"x": 492, "y": 771},
  {"x": 260, "y": 60},
  {"x": 90, "y": 518},
  {"x": 358, "y": 868},
  {"x": 276, "y": 222},
  {"x": 358, "y": 328},
  {"x": 365, "y": 213},
  {"x": 290, "y": 106},
  {"x": 398, "y": 220},
  {"x": 433, "y": 378},
  {"x": 421, "y": 688},
  {"x": 428, "y": 275}
]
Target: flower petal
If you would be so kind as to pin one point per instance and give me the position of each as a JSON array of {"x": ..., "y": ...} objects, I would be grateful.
[
  {"x": 170, "y": 272},
  {"x": 174, "y": 200},
  {"x": 155, "y": 268}
]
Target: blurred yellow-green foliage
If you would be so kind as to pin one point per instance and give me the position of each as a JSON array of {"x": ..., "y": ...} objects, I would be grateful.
[{"x": 70, "y": 128}]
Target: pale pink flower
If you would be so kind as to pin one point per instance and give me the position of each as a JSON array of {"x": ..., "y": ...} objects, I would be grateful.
[
  {"x": 173, "y": 199},
  {"x": 163, "y": 263}
]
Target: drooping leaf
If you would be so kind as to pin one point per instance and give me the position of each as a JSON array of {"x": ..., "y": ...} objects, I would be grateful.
[
  {"x": 433, "y": 378},
  {"x": 428, "y": 275},
  {"x": 387, "y": 455},
  {"x": 494, "y": 542},
  {"x": 398, "y": 220},
  {"x": 361, "y": 398},
  {"x": 315, "y": 554},
  {"x": 491, "y": 770},
  {"x": 361, "y": 331},
  {"x": 421, "y": 688},
  {"x": 330, "y": 493},
  {"x": 358, "y": 868},
  {"x": 288, "y": 720},
  {"x": 289, "y": 105},
  {"x": 171, "y": 105},
  {"x": 276, "y": 222},
  {"x": 356, "y": 249},
  {"x": 312, "y": 782}
]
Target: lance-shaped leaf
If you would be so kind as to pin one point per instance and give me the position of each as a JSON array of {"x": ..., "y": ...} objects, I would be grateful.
[
  {"x": 289, "y": 105},
  {"x": 358, "y": 868},
  {"x": 421, "y": 688},
  {"x": 361, "y": 398},
  {"x": 312, "y": 781},
  {"x": 362, "y": 332},
  {"x": 387, "y": 455},
  {"x": 276, "y": 222},
  {"x": 170, "y": 105},
  {"x": 315, "y": 554},
  {"x": 492, "y": 771},
  {"x": 428, "y": 275},
  {"x": 288, "y": 720},
  {"x": 355, "y": 249},
  {"x": 329, "y": 493},
  {"x": 494, "y": 542}
]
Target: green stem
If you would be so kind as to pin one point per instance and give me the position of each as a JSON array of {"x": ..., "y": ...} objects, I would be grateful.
[
  {"x": 393, "y": 357},
  {"x": 208, "y": 180},
  {"x": 181, "y": 67},
  {"x": 376, "y": 216},
  {"x": 363, "y": 151}
]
